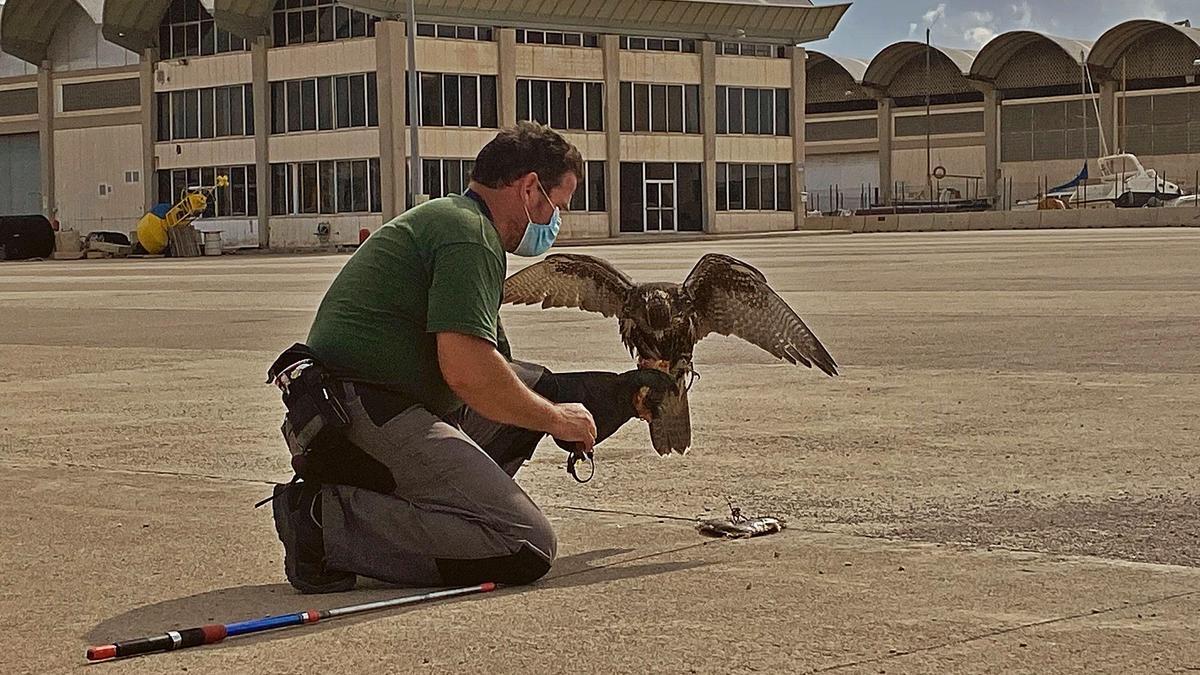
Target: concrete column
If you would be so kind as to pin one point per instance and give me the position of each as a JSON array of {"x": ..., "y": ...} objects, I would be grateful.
[
  {"x": 47, "y": 111},
  {"x": 885, "y": 149},
  {"x": 610, "y": 50},
  {"x": 1108, "y": 116},
  {"x": 991, "y": 142},
  {"x": 799, "y": 102},
  {"x": 260, "y": 88},
  {"x": 708, "y": 126},
  {"x": 149, "y": 126},
  {"x": 506, "y": 79},
  {"x": 391, "y": 60}
]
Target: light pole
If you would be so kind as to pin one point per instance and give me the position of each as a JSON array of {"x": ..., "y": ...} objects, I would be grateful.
[
  {"x": 928, "y": 126},
  {"x": 414, "y": 109}
]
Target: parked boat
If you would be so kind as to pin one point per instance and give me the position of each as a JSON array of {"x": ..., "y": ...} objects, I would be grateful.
[{"x": 1123, "y": 182}]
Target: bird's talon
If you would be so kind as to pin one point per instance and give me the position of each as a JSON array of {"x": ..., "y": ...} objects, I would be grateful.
[{"x": 655, "y": 364}]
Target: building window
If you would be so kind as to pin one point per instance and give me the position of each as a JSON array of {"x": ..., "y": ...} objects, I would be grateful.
[
  {"x": 449, "y": 100},
  {"x": 431, "y": 99},
  {"x": 661, "y": 197},
  {"x": 751, "y": 49},
  {"x": 1153, "y": 124},
  {"x": 324, "y": 103},
  {"x": 239, "y": 198},
  {"x": 100, "y": 95},
  {"x": 187, "y": 29},
  {"x": 566, "y": 105},
  {"x": 754, "y": 187},
  {"x": 326, "y": 187},
  {"x": 219, "y": 112},
  {"x": 304, "y": 21},
  {"x": 841, "y": 130},
  {"x": 666, "y": 108},
  {"x": 18, "y": 102},
  {"x": 657, "y": 44},
  {"x": 453, "y": 32},
  {"x": 329, "y": 190},
  {"x": 1032, "y": 131},
  {"x": 441, "y": 177},
  {"x": 283, "y": 186},
  {"x": 590, "y": 193},
  {"x": 964, "y": 122},
  {"x": 541, "y": 37},
  {"x": 743, "y": 110}
]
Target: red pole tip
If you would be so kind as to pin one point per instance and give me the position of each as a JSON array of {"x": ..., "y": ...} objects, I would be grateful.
[
  {"x": 213, "y": 632},
  {"x": 101, "y": 653},
  {"x": 489, "y": 586}
]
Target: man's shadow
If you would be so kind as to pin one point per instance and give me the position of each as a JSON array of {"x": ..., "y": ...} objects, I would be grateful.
[{"x": 246, "y": 602}]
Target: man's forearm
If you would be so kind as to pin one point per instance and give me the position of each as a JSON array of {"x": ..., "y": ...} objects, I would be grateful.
[
  {"x": 481, "y": 377},
  {"x": 499, "y": 395}
]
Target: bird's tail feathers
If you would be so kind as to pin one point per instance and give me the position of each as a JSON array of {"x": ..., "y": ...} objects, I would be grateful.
[{"x": 671, "y": 430}]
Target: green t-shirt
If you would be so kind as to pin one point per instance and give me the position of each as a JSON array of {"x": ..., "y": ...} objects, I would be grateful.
[{"x": 438, "y": 267}]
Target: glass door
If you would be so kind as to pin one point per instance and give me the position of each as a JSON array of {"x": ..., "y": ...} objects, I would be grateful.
[{"x": 660, "y": 205}]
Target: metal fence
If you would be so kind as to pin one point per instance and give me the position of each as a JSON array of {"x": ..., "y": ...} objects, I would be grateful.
[
  {"x": 838, "y": 199},
  {"x": 834, "y": 199}
]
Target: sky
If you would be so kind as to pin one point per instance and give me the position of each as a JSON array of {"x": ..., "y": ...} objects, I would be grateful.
[{"x": 871, "y": 25}]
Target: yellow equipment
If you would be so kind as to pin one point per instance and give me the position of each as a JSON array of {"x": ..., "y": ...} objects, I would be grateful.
[{"x": 152, "y": 229}]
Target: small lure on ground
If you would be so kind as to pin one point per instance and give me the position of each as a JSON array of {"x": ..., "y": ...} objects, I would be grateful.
[{"x": 738, "y": 526}]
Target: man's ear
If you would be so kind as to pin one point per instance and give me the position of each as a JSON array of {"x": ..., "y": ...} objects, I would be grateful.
[{"x": 528, "y": 182}]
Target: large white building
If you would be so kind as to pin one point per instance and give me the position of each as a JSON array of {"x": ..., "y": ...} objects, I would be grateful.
[{"x": 109, "y": 107}]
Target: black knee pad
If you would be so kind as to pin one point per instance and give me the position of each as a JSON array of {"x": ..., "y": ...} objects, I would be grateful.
[{"x": 523, "y": 567}]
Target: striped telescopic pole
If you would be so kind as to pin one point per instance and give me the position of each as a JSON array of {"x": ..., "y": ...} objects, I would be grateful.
[{"x": 216, "y": 632}]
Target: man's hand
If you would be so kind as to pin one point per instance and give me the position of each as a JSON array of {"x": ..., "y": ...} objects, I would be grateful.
[{"x": 574, "y": 425}]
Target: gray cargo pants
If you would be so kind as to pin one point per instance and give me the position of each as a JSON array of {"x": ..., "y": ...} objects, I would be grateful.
[{"x": 455, "y": 517}]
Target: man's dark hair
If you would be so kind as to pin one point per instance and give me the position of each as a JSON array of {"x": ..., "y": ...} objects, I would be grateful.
[{"x": 527, "y": 147}]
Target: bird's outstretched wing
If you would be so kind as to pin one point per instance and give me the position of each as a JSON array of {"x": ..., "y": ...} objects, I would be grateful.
[
  {"x": 570, "y": 280},
  {"x": 733, "y": 298}
]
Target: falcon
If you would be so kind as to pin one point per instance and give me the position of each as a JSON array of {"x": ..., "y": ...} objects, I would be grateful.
[{"x": 661, "y": 322}]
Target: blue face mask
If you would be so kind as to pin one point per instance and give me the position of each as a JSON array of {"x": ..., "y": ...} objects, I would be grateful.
[{"x": 539, "y": 237}]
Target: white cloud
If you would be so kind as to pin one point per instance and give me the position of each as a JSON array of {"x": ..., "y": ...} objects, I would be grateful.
[
  {"x": 935, "y": 14},
  {"x": 1024, "y": 14},
  {"x": 969, "y": 29},
  {"x": 1154, "y": 10},
  {"x": 979, "y": 35}
]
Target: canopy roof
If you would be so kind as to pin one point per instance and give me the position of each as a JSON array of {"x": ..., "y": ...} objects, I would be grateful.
[
  {"x": 887, "y": 63},
  {"x": 990, "y": 60},
  {"x": 786, "y": 22},
  {"x": 1109, "y": 48},
  {"x": 855, "y": 68}
]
